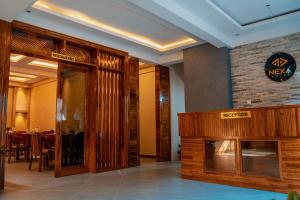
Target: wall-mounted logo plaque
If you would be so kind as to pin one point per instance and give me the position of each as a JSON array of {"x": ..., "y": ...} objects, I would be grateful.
[{"x": 280, "y": 67}]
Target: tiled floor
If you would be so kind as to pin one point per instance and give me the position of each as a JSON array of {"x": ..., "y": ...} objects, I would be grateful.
[{"x": 153, "y": 181}]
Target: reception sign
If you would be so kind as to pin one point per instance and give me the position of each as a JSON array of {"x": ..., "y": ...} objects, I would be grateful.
[
  {"x": 63, "y": 57},
  {"x": 235, "y": 115}
]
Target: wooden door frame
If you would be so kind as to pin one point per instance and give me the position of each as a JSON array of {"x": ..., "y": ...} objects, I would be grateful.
[
  {"x": 65, "y": 171},
  {"x": 5, "y": 48},
  {"x": 8, "y": 46}
]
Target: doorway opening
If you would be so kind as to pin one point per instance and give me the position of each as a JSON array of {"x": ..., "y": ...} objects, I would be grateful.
[
  {"x": 147, "y": 114},
  {"x": 31, "y": 116},
  {"x": 155, "y": 113}
]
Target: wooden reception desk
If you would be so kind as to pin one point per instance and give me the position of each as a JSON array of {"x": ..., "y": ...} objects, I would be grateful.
[{"x": 251, "y": 147}]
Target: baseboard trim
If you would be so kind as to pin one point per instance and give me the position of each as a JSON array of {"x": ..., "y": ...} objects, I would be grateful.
[{"x": 147, "y": 156}]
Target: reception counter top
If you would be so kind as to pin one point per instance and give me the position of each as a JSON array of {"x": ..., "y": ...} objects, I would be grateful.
[{"x": 248, "y": 147}]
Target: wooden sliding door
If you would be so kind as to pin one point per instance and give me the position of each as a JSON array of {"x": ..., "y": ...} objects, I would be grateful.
[
  {"x": 110, "y": 121},
  {"x": 72, "y": 119}
]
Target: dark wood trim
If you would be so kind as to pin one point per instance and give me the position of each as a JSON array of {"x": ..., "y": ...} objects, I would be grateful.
[
  {"x": 59, "y": 170},
  {"x": 5, "y": 45},
  {"x": 133, "y": 112},
  {"x": 147, "y": 156},
  {"x": 163, "y": 113}
]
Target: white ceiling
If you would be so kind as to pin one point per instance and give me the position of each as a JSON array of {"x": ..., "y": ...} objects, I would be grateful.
[
  {"x": 121, "y": 19},
  {"x": 245, "y": 11},
  {"x": 220, "y": 21},
  {"x": 23, "y": 68},
  {"x": 158, "y": 30}
]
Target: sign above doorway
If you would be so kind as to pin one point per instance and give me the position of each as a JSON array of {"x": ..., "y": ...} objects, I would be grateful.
[{"x": 63, "y": 57}]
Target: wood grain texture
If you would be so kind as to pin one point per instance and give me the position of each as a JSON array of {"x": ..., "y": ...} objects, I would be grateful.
[
  {"x": 5, "y": 44},
  {"x": 110, "y": 79},
  {"x": 110, "y": 131},
  {"x": 134, "y": 139},
  {"x": 65, "y": 171},
  {"x": 278, "y": 123},
  {"x": 264, "y": 122},
  {"x": 163, "y": 113}
]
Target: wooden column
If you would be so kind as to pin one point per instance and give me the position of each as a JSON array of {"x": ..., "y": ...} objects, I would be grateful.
[
  {"x": 5, "y": 45},
  {"x": 163, "y": 113},
  {"x": 134, "y": 139}
]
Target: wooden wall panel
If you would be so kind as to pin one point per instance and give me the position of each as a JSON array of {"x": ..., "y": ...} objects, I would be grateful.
[
  {"x": 110, "y": 131},
  {"x": 191, "y": 156},
  {"x": 286, "y": 121},
  {"x": 264, "y": 122},
  {"x": 163, "y": 113},
  {"x": 134, "y": 139},
  {"x": 290, "y": 153},
  {"x": 5, "y": 44},
  {"x": 186, "y": 124},
  {"x": 278, "y": 123}
]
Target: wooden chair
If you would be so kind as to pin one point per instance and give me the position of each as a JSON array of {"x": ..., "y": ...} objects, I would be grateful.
[
  {"x": 38, "y": 151},
  {"x": 14, "y": 145}
]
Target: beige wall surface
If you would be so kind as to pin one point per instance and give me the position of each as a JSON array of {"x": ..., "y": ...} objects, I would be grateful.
[
  {"x": 147, "y": 111},
  {"x": 22, "y": 96},
  {"x": 9, "y": 107},
  {"x": 43, "y": 106},
  {"x": 22, "y": 99}
]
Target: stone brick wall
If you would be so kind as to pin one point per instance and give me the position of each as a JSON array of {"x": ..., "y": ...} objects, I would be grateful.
[{"x": 249, "y": 81}]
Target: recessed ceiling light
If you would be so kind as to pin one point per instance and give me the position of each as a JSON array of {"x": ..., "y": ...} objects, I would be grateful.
[
  {"x": 16, "y": 57},
  {"x": 84, "y": 19},
  {"x": 18, "y": 79},
  {"x": 22, "y": 75},
  {"x": 50, "y": 65}
]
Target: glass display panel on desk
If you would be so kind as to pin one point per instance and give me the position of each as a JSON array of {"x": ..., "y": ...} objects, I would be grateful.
[
  {"x": 260, "y": 158},
  {"x": 73, "y": 117},
  {"x": 220, "y": 156}
]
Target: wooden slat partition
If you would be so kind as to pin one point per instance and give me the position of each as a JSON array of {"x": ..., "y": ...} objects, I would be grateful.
[
  {"x": 278, "y": 123},
  {"x": 110, "y": 100}
]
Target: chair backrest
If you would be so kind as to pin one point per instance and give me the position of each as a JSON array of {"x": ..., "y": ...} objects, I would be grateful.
[{"x": 36, "y": 144}]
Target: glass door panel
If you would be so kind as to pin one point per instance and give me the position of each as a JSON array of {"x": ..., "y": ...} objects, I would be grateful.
[{"x": 71, "y": 119}]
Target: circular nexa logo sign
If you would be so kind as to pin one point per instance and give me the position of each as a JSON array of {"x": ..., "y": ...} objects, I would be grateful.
[{"x": 280, "y": 67}]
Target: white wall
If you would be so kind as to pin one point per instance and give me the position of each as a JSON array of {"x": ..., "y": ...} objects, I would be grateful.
[
  {"x": 177, "y": 104},
  {"x": 147, "y": 111}
]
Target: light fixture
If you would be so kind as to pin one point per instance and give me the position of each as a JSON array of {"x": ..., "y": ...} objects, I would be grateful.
[
  {"x": 22, "y": 75},
  {"x": 50, "y": 65},
  {"x": 18, "y": 79},
  {"x": 94, "y": 23},
  {"x": 141, "y": 63},
  {"x": 16, "y": 57}
]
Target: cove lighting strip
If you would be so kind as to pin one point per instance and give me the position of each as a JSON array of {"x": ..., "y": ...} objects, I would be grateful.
[
  {"x": 22, "y": 75},
  {"x": 86, "y": 20},
  {"x": 18, "y": 79},
  {"x": 43, "y": 64},
  {"x": 16, "y": 57}
]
